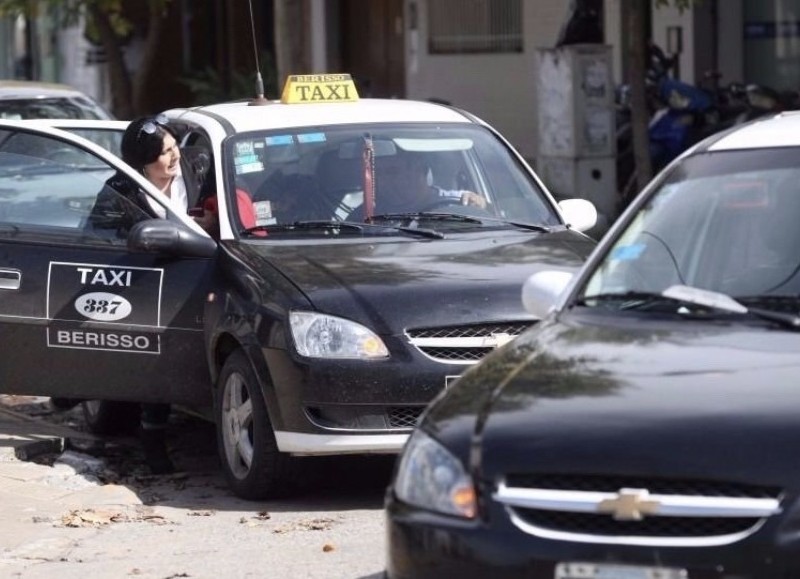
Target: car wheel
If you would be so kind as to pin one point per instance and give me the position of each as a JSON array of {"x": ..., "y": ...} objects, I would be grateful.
[
  {"x": 110, "y": 417},
  {"x": 253, "y": 466}
]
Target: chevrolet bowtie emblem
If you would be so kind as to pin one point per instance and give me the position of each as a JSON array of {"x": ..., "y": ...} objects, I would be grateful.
[
  {"x": 497, "y": 340},
  {"x": 629, "y": 505}
]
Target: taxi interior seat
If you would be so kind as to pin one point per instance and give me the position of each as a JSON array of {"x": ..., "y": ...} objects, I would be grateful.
[
  {"x": 755, "y": 244},
  {"x": 293, "y": 197},
  {"x": 340, "y": 182}
]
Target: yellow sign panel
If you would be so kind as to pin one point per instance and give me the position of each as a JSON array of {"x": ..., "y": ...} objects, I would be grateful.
[{"x": 319, "y": 88}]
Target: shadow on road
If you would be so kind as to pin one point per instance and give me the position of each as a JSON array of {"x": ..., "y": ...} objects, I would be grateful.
[{"x": 326, "y": 483}]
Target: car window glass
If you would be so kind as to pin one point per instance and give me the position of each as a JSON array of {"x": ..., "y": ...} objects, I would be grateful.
[
  {"x": 51, "y": 187},
  {"x": 731, "y": 230},
  {"x": 51, "y": 108},
  {"x": 111, "y": 140},
  {"x": 314, "y": 174}
]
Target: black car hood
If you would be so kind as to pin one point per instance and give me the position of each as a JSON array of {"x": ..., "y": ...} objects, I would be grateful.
[
  {"x": 630, "y": 398},
  {"x": 393, "y": 284}
]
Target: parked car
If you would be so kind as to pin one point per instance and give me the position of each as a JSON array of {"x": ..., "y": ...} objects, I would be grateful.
[
  {"x": 647, "y": 426},
  {"x": 106, "y": 133},
  {"x": 317, "y": 323},
  {"x": 22, "y": 99}
]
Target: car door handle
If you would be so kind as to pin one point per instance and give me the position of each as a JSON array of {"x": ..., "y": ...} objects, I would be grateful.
[{"x": 10, "y": 279}]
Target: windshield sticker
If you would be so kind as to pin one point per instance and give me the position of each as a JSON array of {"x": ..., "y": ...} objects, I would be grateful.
[
  {"x": 311, "y": 138},
  {"x": 246, "y": 160},
  {"x": 628, "y": 252},
  {"x": 249, "y": 168},
  {"x": 104, "y": 307},
  {"x": 279, "y": 140},
  {"x": 263, "y": 211}
]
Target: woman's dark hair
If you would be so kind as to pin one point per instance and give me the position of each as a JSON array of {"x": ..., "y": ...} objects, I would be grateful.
[{"x": 143, "y": 140}]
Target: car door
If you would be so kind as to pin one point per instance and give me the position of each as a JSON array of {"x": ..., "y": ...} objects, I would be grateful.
[{"x": 81, "y": 313}]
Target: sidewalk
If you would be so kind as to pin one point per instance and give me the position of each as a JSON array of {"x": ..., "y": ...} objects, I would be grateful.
[{"x": 34, "y": 497}]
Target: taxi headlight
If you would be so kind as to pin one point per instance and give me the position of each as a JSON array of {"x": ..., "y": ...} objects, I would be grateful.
[
  {"x": 430, "y": 477},
  {"x": 322, "y": 336}
]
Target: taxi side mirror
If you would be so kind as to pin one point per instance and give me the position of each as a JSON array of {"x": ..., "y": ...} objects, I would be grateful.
[
  {"x": 541, "y": 291},
  {"x": 163, "y": 236},
  {"x": 579, "y": 214}
]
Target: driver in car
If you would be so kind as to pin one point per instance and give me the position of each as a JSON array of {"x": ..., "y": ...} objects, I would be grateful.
[{"x": 403, "y": 184}]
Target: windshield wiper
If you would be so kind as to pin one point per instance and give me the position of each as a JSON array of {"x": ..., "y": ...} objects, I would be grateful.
[
  {"x": 521, "y": 224},
  {"x": 458, "y": 217},
  {"x": 421, "y": 232},
  {"x": 339, "y": 226},
  {"x": 771, "y": 301},
  {"x": 688, "y": 295},
  {"x": 632, "y": 299},
  {"x": 306, "y": 226},
  {"x": 423, "y": 215}
]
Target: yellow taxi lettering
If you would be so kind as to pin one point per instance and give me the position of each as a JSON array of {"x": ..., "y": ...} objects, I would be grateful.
[{"x": 318, "y": 88}]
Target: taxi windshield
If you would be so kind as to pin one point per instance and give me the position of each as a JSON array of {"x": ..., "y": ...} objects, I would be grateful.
[
  {"x": 722, "y": 221},
  {"x": 382, "y": 174}
]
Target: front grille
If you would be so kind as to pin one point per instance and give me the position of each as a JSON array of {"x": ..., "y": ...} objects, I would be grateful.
[
  {"x": 404, "y": 416},
  {"x": 656, "y": 485},
  {"x": 529, "y": 496},
  {"x": 604, "y": 525},
  {"x": 358, "y": 417},
  {"x": 464, "y": 344}
]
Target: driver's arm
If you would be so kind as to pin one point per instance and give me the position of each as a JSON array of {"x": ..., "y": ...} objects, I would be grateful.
[{"x": 466, "y": 197}]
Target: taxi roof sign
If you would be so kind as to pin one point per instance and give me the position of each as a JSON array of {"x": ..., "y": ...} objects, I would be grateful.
[{"x": 319, "y": 88}]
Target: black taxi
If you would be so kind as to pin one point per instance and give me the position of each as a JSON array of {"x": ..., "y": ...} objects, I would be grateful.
[
  {"x": 646, "y": 427},
  {"x": 368, "y": 252}
]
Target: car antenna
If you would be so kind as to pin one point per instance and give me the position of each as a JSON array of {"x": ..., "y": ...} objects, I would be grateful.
[{"x": 259, "y": 100}]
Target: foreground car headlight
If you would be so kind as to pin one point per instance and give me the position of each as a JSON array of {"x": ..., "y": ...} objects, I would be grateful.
[
  {"x": 322, "y": 336},
  {"x": 430, "y": 477}
]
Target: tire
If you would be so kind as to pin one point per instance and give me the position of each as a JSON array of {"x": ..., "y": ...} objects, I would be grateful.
[
  {"x": 253, "y": 466},
  {"x": 110, "y": 417}
]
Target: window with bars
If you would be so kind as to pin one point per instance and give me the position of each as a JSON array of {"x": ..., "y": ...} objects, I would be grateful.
[{"x": 474, "y": 26}]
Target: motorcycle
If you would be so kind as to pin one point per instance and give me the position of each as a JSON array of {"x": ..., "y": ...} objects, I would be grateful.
[{"x": 686, "y": 118}]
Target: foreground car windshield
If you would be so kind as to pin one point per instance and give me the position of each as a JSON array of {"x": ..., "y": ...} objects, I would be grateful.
[
  {"x": 380, "y": 173},
  {"x": 722, "y": 221}
]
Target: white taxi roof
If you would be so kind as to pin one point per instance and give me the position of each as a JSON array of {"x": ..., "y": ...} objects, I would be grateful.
[
  {"x": 782, "y": 130},
  {"x": 276, "y": 115}
]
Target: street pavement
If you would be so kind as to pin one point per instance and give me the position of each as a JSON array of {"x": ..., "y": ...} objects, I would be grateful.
[
  {"x": 47, "y": 493},
  {"x": 73, "y": 505}
]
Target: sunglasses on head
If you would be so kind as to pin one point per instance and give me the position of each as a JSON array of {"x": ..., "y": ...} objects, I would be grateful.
[{"x": 149, "y": 127}]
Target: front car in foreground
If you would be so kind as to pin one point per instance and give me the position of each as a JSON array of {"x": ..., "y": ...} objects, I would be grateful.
[{"x": 647, "y": 426}]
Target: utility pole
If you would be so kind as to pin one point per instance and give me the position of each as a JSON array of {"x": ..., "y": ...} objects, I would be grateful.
[
  {"x": 636, "y": 40},
  {"x": 291, "y": 53}
]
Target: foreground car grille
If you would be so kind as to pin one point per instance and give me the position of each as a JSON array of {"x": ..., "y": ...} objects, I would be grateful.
[
  {"x": 636, "y": 510},
  {"x": 464, "y": 344}
]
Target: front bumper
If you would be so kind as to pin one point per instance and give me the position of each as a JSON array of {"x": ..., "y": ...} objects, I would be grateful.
[
  {"x": 350, "y": 406},
  {"x": 423, "y": 545}
]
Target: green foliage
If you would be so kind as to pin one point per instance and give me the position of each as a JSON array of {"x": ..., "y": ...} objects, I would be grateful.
[
  {"x": 70, "y": 10},
  {"x": 208, "y": 85}
]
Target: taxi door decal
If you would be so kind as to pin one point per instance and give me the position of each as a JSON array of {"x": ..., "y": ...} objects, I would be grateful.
[{"x": 104, "y": 307}]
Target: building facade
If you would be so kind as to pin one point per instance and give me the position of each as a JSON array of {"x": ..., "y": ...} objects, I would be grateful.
[{"x": 477, "y": 54}]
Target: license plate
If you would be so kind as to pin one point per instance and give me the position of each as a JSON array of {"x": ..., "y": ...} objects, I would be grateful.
[{"x": 606, "y": 571}]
